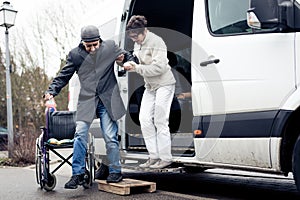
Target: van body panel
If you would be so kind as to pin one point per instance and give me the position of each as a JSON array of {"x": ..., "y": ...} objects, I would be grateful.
[
  {"x": 74, "y": 88},
  {"x": 234, "y": 151},
  {"x": 243, "y": 72},
  {"x": 292, "y": 101}
]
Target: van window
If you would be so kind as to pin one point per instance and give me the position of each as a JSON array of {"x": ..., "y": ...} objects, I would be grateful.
[{"x": 228, "y": 16}]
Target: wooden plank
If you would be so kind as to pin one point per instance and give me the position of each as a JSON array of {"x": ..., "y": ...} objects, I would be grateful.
[{"x": 126, "y": 186}]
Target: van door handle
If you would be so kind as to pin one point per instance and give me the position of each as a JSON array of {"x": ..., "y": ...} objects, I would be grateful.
[{"x": 213, "y": 61}]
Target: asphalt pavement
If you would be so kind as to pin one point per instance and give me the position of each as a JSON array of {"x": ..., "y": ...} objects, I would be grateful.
[{"x": 20, "y": 183}]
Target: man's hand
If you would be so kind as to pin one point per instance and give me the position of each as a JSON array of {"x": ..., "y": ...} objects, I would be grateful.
[
  {"x": 130, "y": 65},
  {"x": 120, "y": 58},
  {"x": 48, "y": 96}
]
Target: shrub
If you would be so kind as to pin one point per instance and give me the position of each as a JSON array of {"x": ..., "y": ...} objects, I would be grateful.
[{"x": 24, "y": 149}]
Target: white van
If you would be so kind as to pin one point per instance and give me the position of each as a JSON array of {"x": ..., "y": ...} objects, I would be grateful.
[{"x": 239, "y": 60}]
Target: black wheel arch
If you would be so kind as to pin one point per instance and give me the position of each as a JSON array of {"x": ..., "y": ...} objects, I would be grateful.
[{"x": 290, "y": 133}]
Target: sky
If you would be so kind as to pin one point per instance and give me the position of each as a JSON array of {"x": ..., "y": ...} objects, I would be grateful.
[
  {"x": 102, "y": 13},
  {"x": 103, "y": 9}
]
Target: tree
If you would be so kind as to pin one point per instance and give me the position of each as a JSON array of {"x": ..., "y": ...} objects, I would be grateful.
[
  {"x": 3, "y": 118},
  {"x": 31, "y": 58}
]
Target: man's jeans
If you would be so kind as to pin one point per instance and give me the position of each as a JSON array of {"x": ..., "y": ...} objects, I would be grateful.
[{"x": 110, "y": 134}]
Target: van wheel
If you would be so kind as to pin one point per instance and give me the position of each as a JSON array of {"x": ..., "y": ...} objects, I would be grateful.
[{"x": 296, "y": 163}]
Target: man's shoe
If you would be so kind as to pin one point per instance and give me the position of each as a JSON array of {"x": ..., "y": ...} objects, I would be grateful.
[
  {"x": 114, "y": 178},
  {"x": 75, "y": 181},
  {"x": 148, "y": 163},
  {"x": 161, "y": 164},
  {"x": 102, "y": 172}
]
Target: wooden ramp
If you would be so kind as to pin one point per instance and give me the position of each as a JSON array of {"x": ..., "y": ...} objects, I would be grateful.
[{"x": 126, "y": 186}]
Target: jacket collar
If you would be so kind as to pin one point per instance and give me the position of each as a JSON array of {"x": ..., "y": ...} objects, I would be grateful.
[
  {"x": 82, "y": 51},
  {"x": 87, "y": 57},
  {"x": 146, "y": 37}
]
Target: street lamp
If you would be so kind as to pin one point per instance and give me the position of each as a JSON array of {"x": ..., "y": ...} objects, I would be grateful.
[{"x": 7, "y": 19}]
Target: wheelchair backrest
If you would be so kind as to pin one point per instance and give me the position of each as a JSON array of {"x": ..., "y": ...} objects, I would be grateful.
[{"x": 61, "y": 124}]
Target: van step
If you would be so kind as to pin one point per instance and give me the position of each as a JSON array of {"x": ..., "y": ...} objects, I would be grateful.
[
  {"x": 126, "y": 186},
  {"x": 135, "y": 167},
  {"x": 173, "y": 148}
]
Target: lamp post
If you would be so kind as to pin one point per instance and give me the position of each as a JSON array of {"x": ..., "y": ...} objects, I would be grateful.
[{"x": 7, "y": 19}]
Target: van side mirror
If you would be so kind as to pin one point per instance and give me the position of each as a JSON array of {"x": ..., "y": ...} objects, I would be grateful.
[{"x": 271, "y": 14}]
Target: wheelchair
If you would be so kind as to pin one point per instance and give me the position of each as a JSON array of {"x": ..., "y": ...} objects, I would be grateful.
[{"x": 58, "y": 134}]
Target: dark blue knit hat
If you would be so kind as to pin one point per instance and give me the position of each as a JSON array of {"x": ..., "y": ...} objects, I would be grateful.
[{"x": 89, "y": 33}]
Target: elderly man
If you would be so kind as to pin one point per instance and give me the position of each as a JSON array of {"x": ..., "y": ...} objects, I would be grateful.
[{"x": 93, "y": 61}]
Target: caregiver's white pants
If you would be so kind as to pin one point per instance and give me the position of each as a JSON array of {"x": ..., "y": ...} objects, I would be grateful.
[{"x": 154, "y": 120}]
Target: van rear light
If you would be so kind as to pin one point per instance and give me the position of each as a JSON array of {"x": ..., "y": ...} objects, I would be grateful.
[{"x": 197, "y": 132}]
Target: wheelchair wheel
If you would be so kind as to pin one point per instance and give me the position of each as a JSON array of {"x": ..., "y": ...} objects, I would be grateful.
[
  {"x": 90, "y": 162},
  {"x": 38, "y": 170},
  {"x": 50, "y": 185},
  {"x": 91, "y": 165},
  {"x": 88, "y": 177},
  {"x": 87, "y": 180},
  {"x": 38, "y": 164}
]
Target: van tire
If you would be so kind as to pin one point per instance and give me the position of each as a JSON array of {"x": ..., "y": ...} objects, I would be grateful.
[{"x": 296, "y": 163}]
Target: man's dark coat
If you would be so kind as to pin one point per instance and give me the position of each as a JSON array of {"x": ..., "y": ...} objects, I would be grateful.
[{"x": 97, "y": 80}]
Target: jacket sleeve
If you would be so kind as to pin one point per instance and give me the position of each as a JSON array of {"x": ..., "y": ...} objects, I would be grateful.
[
  {"x": 159, "y": 62},
  {"x": 130, "y": 57},
  {"x": 62, "y": 79},
  {"x": 127, "y": 55}
]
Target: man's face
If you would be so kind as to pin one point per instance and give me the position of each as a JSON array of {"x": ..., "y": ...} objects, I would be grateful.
[{"x": 91, "y": 47}]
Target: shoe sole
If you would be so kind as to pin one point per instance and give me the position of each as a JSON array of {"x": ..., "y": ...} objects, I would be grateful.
[
  {"x": 75, "y": 187},
  {"x": 71, "y": 187},
  {"x": 102, "y": 177},
  {"x": 117, "y": 181}
]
